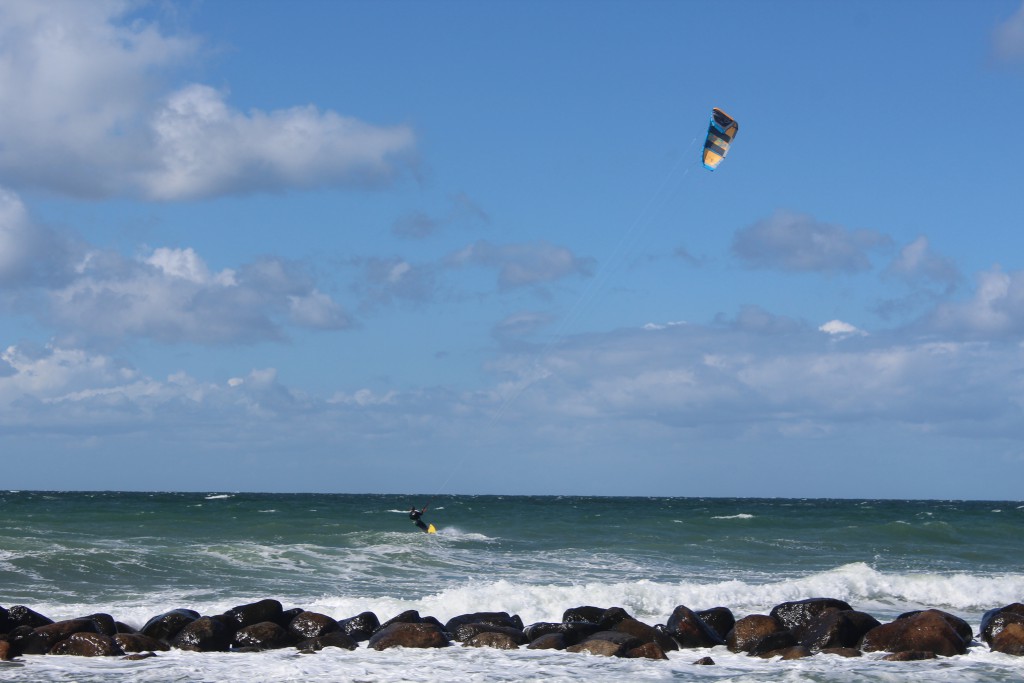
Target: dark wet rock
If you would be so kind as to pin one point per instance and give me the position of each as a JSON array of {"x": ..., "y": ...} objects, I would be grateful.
[
  {"x": 646, "y": 633},
  {"x": 136, "y": 642},
  {"x": 494, "y": 618},
  {"x": 204, "y": 634},
  {"x": 835, "y": 628},
  {"x": 841, "y": 651},
  {"x": 5, "y": 621},
  {"x": 1009, "y": 640},
  {"x": 927, "y": 631},
  {"x": 138, "y": 656},
  {"x": 495, "y": 639},
  {"x": 771, "y": 644},
  {"x": 409, "y": 616},
  {"x": 360, "y": 627},
  {"x": 705, "y": 661},
  {"x": 167, "y": 625},
  {"x": 121, "y": 627},
  {"x": 962, "y": 628},
  {"x": 573, "y": 632},
  {"x": 464, "y": 632},
  {"x": 432, "y": 620},
  {"x": 104, "y": 623},
  {"x": 19, "y": 615},
  {"x": 405, "y": 634},
  {"x": 266, "y": 635},
  {"x": 43, "y": 638},
  {"x": 607, "y": 643},
  {"x": 288, "y": 616},
  {"x": 908, "y": 656},
  {"x": 5, "y": 651},
  {"x": 690, "y": 630},
  {"x": 646, "y": 651},
  {"x": 750, "y": 630},
  {"x": 995, "y": 620},
  {"x": 253, "y": 613},
  {"x": 585, "y": 613},
  {"x": 548, "y": 641},
  {"x": 16, "y": 638},
  {"x": 612, "y": 616},
  {"x": 87, "y": 645},
  {"x": 332, "y": 639},
  {"x": 786, "y": 653},
  {"x": 798, "y": 615},
  {"x": 720, "y": 619},
  {"x": 312, "y": 624}
]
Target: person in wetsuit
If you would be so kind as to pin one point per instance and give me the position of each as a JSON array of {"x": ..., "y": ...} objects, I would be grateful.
[{"x": 415, "y": 515}]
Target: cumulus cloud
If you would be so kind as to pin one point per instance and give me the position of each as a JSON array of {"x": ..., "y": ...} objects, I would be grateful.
[
  {"x": 420, "y": 225},
  {"x": 799, "y": 243},
  {"x": 523, "y": 265},
  {"x": 85, "y": 110},
  {"x": 994, "y": 311},
  {"x": 30, "y": 254},
  {"x": 917, "y": 262},
  {"x": 1008, "y": 37},
  {"x": 385, "y": 281}
]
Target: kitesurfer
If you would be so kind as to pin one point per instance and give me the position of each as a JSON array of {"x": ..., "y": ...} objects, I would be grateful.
[{"x": 415, "y": 515}]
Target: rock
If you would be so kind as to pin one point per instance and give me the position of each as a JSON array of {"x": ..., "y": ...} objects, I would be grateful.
[
  {"x": 751, "y": 629},
  {"x": 5, "y": 622},
  {"x": 266, "y": 635},
  {"x": 585, "y": 613},
  {"x": 138, "y": 656},
  {"x": 332, "y": 639},
  {"x": 548, "y": 641},
  {"x": 42, "y": 639},
  {"x": 927, "y": 631},
  {"x": 410, "y": 616},
  {"x": 834, "y": 628},
  {"x": 404, "y": 634},
  {"x": 87, "y": 645},
  {"x": 360, "y": 627},
  {"x": 607, "y": 643},
  {"x": 16, "y": 639},
  {"x": 312, "y": 624},
  {"x": 5, "y": 651},
  {"x": 1009, "y": 639},
  {"x": 136, "y": 642},
  {"x": 646, "y": 634},
  {"x": 167, "y": 625},
  {"x": 649, "y": 650},
  {"x": 573, "y": 632},
  {"x": 797, "y": 615},
  {"x": 908, "y": 656},
  {"x": 204, "y": 634},
  {"x": 690, "y": 630},
  {"x": 841, "y": 651},
  {"x": 995, "y": 620},
  {"x": 494, "y": 618},
  {"x": 104, "y": 623},
  {"x": 771, "y": 644},
  {"x": 122, "y": 627},
  {"x": 705, "y": 661},
  {"x": 19, "y": 615},
  {"x": 962, "y": 628},
  {"x": 785, "y": 653},
  {"x": 465, "y": 632},
  {"x": 495, "y": 639},
  {"x": 253, "y": 613},
  {"x": 288, "y": 616},
  {"x": 612, "y": 617},
  {"x": 720, "y": 619}
]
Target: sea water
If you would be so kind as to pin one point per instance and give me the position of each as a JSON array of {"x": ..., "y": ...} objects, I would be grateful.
[{"x": 136, "y": 555}]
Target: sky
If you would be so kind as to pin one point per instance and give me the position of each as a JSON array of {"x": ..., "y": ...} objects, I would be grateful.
[{"x": 469, "y": 248}]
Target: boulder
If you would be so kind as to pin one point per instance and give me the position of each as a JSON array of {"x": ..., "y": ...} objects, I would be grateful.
[
  {"x": 204, "y": 634},
  {"x": 797, "y": 615},
  {"x": 647, "y": 634},
  {"x": 908, "y": 656},
  {"x": 409, "y": 616},
  {"x": 266, "y": 635},
  {"x": 167, "y": 625},
  {"x": 104, "y": 623},
  {"x": 87, "y": 645},
  {"x": 16, "y": 639},
  {"x": 495, "y": 639},
  {"x": 720, "y": 619},
  {"x": 962, "y": 628},
  {"x": 360, "y": 627},
  {"x": 5, "y": 651},
  {"x": 43, "y": 638},
  {"x": 405, "y": 634},
  {"x": 332, "y": 639},
  {"x": 585, "y": 613},
  {"x": 995, "y": 620},
  {"x": 548, "y": 641},
  {"x": 841, "y": 651},
  {"x": 122, "y": 627},
  {"x": 690, "y": 630},
  {"x": 834, "y": 628},
  {"x": 1009, "y": 640},
  {"x": 19, "y": 615},
  {"x": 312, "y": 624},
  {"x": 286, "y": 617},
  {"x": 611, "y": 617},
  {"x": 252, "y": 613},
  {"x": 464, "y": 632},
  {"x": 5, "y": 622},
  {"x": 607, "y": 643},
  {"x": 926, "y": 631},
  {"x": 494, "y": 618},
  {"x": 136, "y": 642},
  {"x": 772, "y": 644},
  {"x": 705, "y": 661},
  {"x": 649, "y": 650},
  {"x": 751, "y": 629},
  {"x": 572, "y": 632}
]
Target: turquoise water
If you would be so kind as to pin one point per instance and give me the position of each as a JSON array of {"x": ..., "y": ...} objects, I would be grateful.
[{"x": 135, "y": 555}]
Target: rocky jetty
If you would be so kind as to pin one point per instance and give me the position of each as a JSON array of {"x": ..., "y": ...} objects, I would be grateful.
[{"x": 791, "y": 630}]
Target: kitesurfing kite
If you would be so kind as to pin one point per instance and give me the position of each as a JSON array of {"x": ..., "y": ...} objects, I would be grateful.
[{"x": 721, "y": 131}]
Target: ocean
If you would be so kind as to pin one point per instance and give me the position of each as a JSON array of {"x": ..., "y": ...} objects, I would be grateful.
[{"x": 136, "y": 555}]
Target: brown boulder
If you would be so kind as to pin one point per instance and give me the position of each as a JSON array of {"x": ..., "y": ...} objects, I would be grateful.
[
  {"x": 253, "y": 613},
  {"x": 797, "y": 615},
  {"x": 834, "y": 628},
  {"x": 909, "y": 656},
  {"x": 205, "y": 634},
  {"x": 927, "y": 631},
  {"x": 87, "y": 645},
  {"x": 19, "y": 615},
  {"x": 266, "y": 635},
  {"x": 649, "y": 650},
  {"x": 464, "y": 632},
  {"x": 136, "y": 642},
  {"x": 5, "y": 651},
  {"x": 573, "y": 632},
  {"x": 607, "y": 643},
  {"x": 311, "y": 625},
  {"x": 360, "y": 627},
  {"x": 404, "y": 634},
  {"x": 585, "y": 613},
  {"x": 772, "y": 644},
  {"x": 332, "y": 639},
  {"x": 167, "y": 625},
  {"x": 705, "y": 661},
  {"x": 548, "y": 641},
  {"x": 42, "y": 639},
  {"x": 750, "y": 630},
  {"x": 646, "y": 633},
  {"x": 1009, "y": 639},
  {"x": 995, "y": 620},
  {"x": 690, "y": 630},
  {"x": 720, "y": 619},
  {"x": 493, "y": 618},
  {"x": 495, "y": 639},
  {"x": 841, "y": 651}
]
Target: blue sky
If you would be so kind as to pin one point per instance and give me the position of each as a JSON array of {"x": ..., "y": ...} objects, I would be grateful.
[{"x": 466, "y": 247}]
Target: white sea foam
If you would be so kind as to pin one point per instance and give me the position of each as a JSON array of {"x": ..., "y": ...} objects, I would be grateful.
[
  {"x": 742, "y": 515},
  {"x": 218, "y": 496}
]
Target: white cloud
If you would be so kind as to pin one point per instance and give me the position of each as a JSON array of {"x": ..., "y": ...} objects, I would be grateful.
[
  {"x": 996, "y": 309},
  {"x": 798, "y": 242},
  {"x": 84, "y": 110},
  {"x": 521, "y": 265},
  {"x": 918, "y": 261},
  {"x": 1008, "y": 37},
  {"x": 30, "y": 254},
  {"x": 838, "y": 328}
]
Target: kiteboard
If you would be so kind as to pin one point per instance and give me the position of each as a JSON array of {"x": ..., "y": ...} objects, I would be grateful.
[{"x": 431, "y": 529}]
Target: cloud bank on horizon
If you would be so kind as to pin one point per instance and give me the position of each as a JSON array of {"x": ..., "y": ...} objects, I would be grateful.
[{"x": 415, "y": 313}]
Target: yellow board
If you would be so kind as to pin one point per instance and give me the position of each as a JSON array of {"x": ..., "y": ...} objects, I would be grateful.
[{"x": 431, "y": 529}]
